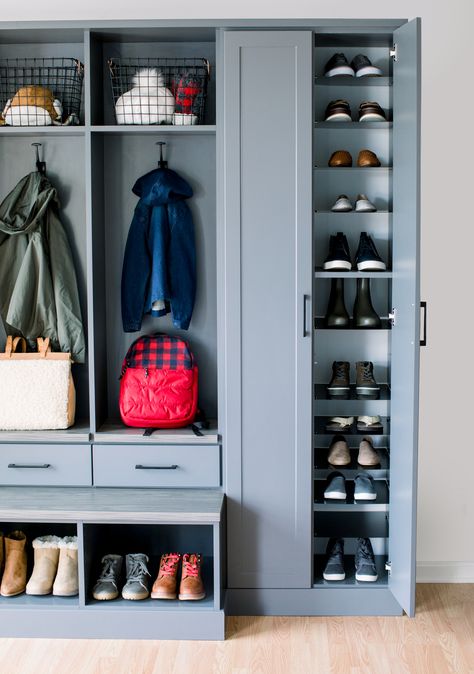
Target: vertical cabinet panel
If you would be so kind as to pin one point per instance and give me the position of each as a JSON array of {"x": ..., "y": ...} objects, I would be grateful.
[
  {"x": 405, "y": 300},
  {"x": 266, "y": 156}
]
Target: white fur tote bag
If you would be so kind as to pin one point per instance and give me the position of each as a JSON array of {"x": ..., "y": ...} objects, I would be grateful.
[{"x": 37, "y": 390}]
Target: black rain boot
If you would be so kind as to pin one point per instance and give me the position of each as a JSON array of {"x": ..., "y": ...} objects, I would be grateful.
[
  {"x": 336, "y": 314},
  {"x": 365, "y": 315}
]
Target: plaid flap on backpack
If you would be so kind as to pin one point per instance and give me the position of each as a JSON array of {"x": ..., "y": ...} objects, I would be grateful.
[{"x": 159, "y": 352}]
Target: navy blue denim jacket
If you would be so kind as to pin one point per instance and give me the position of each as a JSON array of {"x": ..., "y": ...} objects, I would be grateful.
[{"x": 159, "y": 267}]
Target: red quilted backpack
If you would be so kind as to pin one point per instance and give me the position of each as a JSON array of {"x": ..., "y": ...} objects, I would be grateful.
[{"x": 159, "y": 383}]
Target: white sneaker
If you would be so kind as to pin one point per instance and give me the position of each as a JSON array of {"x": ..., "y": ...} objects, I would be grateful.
[
  {"x": 364, "y": 205},
  {"x": 342, "y": 204}
]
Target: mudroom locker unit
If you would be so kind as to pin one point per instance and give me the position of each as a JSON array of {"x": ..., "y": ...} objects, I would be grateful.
[{"x": 248, "y": 492}]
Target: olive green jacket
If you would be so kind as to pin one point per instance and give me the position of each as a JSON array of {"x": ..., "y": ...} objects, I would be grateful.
[{"x": 38, "y": 286}]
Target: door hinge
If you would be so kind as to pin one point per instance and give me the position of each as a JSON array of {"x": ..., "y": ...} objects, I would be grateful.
[
  {"x": 392, "y": 317},
  {"x": 394, "y": 52},
  {"x": 388, "y": 567}
]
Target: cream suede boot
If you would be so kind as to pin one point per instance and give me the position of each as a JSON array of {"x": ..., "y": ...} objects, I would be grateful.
[
  {"x": 46, "y": 565},
  {"x": 66, "y": 583},
  {"x": 14, "y": 575}
]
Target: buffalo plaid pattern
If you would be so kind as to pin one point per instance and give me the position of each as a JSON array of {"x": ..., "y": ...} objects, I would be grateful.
[{"x": 159, "y": 352}]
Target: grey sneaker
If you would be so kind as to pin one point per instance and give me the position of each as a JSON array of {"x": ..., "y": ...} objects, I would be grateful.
[
  {"x": 364, "y": 488},
  {"x": 365, "y": 561},
  {"x": 339, "y": 384},
  {"x": 365, "y": 382},
  {"x": 339, "y": 454},
  {"x": 335, "y": 486},
  {"x": 334, "y": 569},
  {"x": 368, "y": 455},
  {"x": 137, "y": 585},
  {"x": 106, "y": 587}
]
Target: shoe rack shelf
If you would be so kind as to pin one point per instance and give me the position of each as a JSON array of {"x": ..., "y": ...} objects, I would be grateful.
[
  {"x": 323, "y": 468},
  {"x": 352, "y": 405},
  {"x": 380, "y": 504},
  {"x": 342, "y": 81},
  {"x": 116, "y": 520},
  {"x": 373, "y": 126},
  {"x": 350, "y": 580},
  {"x": 320, "y": 325},
  {"x": 321, "y": 273},
  {"x": 353, "y": 169}
]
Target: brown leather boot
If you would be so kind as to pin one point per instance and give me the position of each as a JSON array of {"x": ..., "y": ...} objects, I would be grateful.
[
  {"x": 164, "y": 586},
  {"x": 14, "y": 575},
  {"x": 191, "y": 586}
]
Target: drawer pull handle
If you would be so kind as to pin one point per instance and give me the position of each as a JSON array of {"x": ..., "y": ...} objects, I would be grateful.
[
  {"x": 139, "y": 466},
  {"x": 29, "y": 465}
]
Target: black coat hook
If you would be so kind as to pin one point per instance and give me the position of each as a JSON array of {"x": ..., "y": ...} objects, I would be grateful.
[
  {"x": 40, "y": 165},
  {"x": 162, "y": 163}
]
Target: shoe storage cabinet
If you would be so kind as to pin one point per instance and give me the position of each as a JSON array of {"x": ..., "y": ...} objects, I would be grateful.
[{"x": 261, "y": 208}]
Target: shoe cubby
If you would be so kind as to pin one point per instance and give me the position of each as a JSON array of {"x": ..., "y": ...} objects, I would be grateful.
[
  {"x": 154, "y": 541},
  {"x": 141, "y": 44},
  {"x": 352, "y": 518},
  {"x": 120, "y": 521},
  {"x": 33, "y": 530},
  {"x": 380, "y": 548}
]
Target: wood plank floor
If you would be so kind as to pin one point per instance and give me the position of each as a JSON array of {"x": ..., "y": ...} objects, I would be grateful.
[{"x": 440, "y": 640}]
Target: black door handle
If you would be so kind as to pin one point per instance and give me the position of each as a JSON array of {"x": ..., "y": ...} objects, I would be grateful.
[
  {"x": 139, "y": 466},
  {"x": 423, "y": 338},
  {"x": 29, "y": 465}
]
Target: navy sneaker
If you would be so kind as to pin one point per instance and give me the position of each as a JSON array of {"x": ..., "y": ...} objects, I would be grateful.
[
  {"x": 367, "y": 257},
  {"x": 334, "y": 569},
  {"x": 335, "y": 486},
  {"x": 338, "y": 65},
  {"x": 364, "y": 488},
  {"x": 365, "y": 561},
  {"x": 339, "y": 258}
]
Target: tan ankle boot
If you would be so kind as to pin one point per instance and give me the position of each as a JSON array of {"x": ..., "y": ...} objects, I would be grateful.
[
  {"x": 66, "y": 583},
  {"x": 191, "y": 586},
  {"x": 46, "y": 565},
  {"x": 14, "y": 575}
]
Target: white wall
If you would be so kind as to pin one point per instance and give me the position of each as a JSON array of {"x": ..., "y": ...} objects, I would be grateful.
[{"x": 446, "y": 514}]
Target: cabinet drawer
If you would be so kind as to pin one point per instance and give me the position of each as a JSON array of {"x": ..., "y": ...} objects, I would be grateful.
[
  {"x": 45, "y": 465},
  {"x": 156, "y": 465}
]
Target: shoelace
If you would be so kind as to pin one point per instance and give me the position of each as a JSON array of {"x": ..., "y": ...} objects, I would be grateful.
[
  {"x": 366, "y": 373},
  {"x": 169, "y": 564},
  {"x": 191, "y": 566},
  {"x": 137, "y": 571},
  {"x": 340, "y": 371},
  {"x": 365, "y": 553},
  {"x": 107, "y": 574}
]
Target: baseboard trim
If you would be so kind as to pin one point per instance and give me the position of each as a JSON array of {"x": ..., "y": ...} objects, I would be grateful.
[{"x": 445, "y": 572}]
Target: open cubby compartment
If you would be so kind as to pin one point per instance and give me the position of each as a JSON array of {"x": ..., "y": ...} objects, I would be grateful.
[
  {"x": 154, "y": 540},
  {"x": 17, "y": 159},
  {"x": 349, "y": 504},
  {"x": 380, "y": 548},
  {"x": 43, "y": 43},
  {"x": 350, "y": 523},
  {"x": 362, "y": 137},
  {"x": 375, "y": 45},
  {"x": 149, "y": 42},
  {"x": 117, "y": 162},
  {"x": 33, "y": 530},
  {"x": 329, "y": 184},
  {"x": 380, "y": 292}
]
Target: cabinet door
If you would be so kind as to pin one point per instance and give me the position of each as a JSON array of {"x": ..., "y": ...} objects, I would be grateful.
[
  {"x": 265, "y": 153},
  {"x": 405, "y": 300}
]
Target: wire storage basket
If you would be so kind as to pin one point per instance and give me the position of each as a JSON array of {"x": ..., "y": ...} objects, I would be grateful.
[
  {"x": 159, "y": 90},
  {"x": 40, "y": 91}
]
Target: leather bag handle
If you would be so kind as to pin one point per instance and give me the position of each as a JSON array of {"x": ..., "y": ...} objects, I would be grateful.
[
  {"x": 44, "y": 346},
  {"x": 12, "y": 344}
]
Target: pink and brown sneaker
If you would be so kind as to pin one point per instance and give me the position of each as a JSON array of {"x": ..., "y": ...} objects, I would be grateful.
[
  {"x": 191, "y": 587},
  {"x": 164, "y": 586}
]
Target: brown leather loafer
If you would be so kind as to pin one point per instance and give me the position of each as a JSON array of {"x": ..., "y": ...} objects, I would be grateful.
[
  {"x": 338, "y": 111},
  {"x": 340, "y": 158},
  {"x": 367, "y": 158}
]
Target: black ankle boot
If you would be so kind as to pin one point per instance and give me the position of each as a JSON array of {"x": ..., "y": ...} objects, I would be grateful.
[
  {"x": 365, "y": 315},
  {"x": 336, "y": 314}
]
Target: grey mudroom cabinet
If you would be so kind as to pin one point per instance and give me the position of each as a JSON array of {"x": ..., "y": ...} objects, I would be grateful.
[{"x": 248, "y": 492}]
